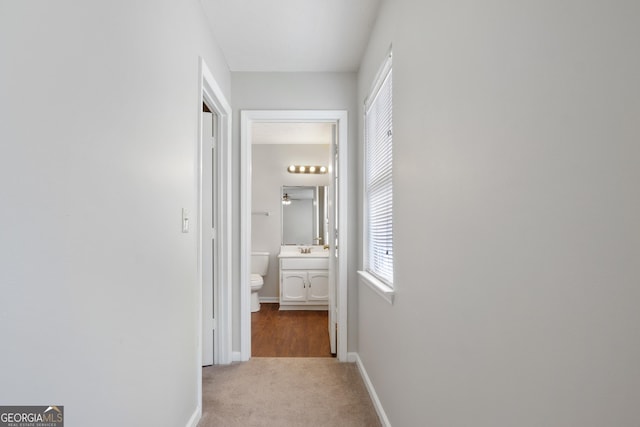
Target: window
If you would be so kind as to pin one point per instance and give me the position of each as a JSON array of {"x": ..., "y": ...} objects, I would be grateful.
[{"x": 378, "y": 182}]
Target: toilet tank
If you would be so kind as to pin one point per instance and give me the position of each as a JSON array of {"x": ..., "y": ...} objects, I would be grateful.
[{"x": 259, "y": 263}]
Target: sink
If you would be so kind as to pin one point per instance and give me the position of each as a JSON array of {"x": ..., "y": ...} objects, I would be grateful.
[
  {"x": 291, "y": 258},
  {"x": 289, "y": 251}
]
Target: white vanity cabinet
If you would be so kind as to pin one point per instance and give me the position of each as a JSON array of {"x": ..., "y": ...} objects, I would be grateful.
[
  {"x": 304, "y": 283},
  {"x": 304, "y": 286}
]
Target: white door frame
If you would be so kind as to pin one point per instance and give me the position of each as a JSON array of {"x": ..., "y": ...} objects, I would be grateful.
[
  {"x": 247, "y": 118},
  {"x": 211, "y": 94}
]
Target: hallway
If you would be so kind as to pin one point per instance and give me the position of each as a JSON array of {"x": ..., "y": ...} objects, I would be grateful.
[
  {"x": 514, "y": 202},
  {"x": 292, "y": 380}
]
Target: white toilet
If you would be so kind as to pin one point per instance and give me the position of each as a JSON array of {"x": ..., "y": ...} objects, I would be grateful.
[{"x": 259, "y": 268}]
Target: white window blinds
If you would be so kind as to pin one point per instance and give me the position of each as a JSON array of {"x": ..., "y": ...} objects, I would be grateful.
[{"x": 378, "y": 185}]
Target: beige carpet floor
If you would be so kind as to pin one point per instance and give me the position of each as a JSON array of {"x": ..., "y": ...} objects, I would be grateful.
[{"x": 266, "y": 391}]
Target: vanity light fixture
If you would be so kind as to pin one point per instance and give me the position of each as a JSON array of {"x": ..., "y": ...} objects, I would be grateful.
[
  {"x": 307, "y": 169},
  {"x": 286, "y": 200}
]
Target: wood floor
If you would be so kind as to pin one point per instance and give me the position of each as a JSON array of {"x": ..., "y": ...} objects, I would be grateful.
[{"x": 276, "y": 333}]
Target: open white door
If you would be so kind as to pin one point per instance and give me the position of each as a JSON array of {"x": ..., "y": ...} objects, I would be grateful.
[
  {"x": 213, "y": 224},
  {"x": 333, "y": 242},
  {"x": 209, "y": 205}
]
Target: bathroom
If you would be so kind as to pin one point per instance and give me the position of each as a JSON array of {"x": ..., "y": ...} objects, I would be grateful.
[{"x": 275, "y": 148}]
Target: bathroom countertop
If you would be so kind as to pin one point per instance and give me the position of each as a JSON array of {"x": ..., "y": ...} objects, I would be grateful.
[{"x": 294, "y": 252}]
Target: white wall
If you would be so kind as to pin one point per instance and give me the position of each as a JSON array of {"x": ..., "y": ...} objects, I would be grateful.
[
  {"x": 268, "y": 175},
  {"x": 517, "y": 234},
  {"x": 294, "y": 91},
  {"x": 99, "y": 104}
]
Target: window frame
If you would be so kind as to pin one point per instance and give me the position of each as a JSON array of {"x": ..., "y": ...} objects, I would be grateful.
[{"x": 381, "y": 285}]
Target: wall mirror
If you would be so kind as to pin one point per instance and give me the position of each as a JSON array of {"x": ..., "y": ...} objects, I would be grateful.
[{"x": 304, "y": 215}]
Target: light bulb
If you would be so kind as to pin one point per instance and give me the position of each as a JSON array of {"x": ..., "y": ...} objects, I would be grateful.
[
  {"x": 292, "y": 168},
  {"x": 302, "y": 169},
  {"x": 312, "y": 169}
]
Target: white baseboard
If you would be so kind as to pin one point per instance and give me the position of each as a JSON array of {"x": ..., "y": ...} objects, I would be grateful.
[
  {"x": 269, "y": 300},
  {"x": 195, "y": 418},
  {"x": 355, "y": 357},
  {"x": 236, "y": 356}
]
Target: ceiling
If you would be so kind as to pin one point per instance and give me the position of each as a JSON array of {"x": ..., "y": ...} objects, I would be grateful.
[
  {"x": 291, "y": 133},
  {"x": 292, "y": 35}
]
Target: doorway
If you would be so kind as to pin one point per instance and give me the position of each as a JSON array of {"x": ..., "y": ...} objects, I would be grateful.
[
  {"x": 289, "y": 306},
  {"x": 337, "y": 190}
]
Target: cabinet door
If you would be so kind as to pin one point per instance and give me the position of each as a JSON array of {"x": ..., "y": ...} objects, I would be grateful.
[
  {"x": 318, "y": 285},
  {"x": 294, "y": 286}
]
